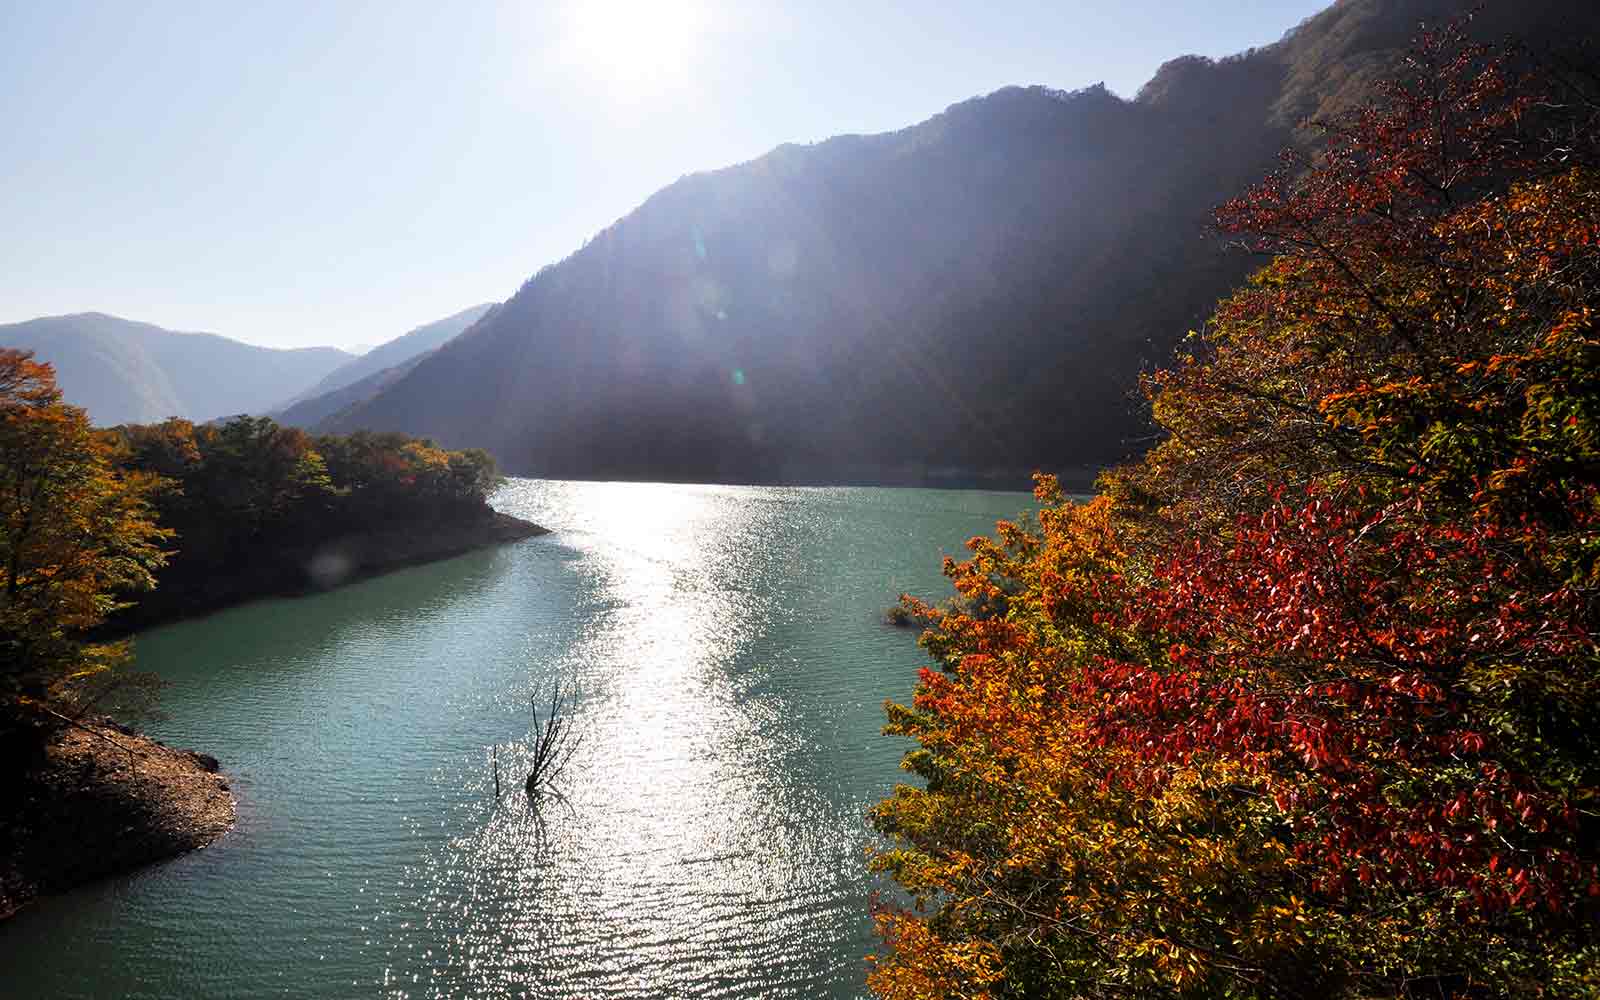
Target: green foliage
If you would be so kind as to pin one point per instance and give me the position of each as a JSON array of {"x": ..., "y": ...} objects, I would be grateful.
[
  {"x": 379, "y": 469},
  {"x": 250, "y": 473},
  {"x": 253, "y": 502}
]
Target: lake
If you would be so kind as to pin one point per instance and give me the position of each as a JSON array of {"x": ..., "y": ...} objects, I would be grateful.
[{"x": 729, "y": 658}]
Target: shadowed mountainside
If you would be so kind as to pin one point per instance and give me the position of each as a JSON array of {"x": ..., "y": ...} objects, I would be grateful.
[
  {"x": 362, "y": 377},
  {"x": 965, "y": 299},
  {"x": 123, "y": 371}
]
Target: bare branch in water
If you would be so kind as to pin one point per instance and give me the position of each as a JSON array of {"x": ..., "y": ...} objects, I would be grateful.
[{"x": 554, "y": 744}]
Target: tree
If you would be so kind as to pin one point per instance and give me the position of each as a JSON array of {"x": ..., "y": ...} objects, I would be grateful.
[
  {"x": 1306, "y": 700},
  {"x": 74, "y": 531},
  {"x": 254, "y": 471},
  {"x": 391, "y": 471}
]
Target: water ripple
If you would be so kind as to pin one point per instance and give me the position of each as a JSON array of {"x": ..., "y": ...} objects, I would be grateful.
[{"x": 728, "y": 661}]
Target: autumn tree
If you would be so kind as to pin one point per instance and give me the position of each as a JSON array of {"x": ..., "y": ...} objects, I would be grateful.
[
  {"x": 1305, "y": 701},
  {"x": 74, "y": 532}
]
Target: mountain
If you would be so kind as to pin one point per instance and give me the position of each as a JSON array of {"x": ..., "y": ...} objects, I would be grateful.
[
  {"x": 961, "y": 300},
  {"x": 404, "y": 348},
  {"x": 311, "y": 413},
  {"x": 127, "y": 372}
]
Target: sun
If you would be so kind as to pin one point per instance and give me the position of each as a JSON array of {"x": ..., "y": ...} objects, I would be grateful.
[{"x": 635, "y": 46}]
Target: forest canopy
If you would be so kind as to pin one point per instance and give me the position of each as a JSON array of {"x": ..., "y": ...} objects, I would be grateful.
[
  {"x": 249, "y": 474},
  {"x": 1305, "y": 701}
]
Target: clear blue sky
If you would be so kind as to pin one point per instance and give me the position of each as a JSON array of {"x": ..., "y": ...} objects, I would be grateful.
[{"x": 336, "y": 173}]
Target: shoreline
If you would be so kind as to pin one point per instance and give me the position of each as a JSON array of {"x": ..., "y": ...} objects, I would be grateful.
[
  {"x": 103, "y": 800},
  {"x": 313, "y": 569}
]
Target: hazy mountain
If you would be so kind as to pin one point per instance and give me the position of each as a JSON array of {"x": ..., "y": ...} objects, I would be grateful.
[
  {"x": 976, "y": 292},
  {"x": 127, "y": 372},
  {"x": 311, "y": 413},
  {"x": 404, "y": 348}
]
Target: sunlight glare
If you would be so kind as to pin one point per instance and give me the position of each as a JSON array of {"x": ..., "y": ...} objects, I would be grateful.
[{"x": 638, "y": 47}]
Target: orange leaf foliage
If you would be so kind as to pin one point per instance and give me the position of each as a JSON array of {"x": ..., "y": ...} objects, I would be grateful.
[{"x": 1305, "y": 702}]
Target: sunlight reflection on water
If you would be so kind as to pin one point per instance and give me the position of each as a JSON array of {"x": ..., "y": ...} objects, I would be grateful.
[
  {"x": 677, "y": 857},
  {"x": 728, "y": 658}
]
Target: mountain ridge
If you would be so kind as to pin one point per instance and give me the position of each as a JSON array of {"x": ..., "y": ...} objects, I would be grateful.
[
  {"x": 129, "y": 371},
  {"x": 978, "y": 291},
  {"x": 404, "y": 348}
]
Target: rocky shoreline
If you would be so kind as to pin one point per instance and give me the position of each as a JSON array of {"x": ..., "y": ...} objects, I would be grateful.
[{"x": 101, "y": 800}]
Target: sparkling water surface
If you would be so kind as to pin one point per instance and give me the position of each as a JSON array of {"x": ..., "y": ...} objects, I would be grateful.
[{"x": 727, "y": 650}]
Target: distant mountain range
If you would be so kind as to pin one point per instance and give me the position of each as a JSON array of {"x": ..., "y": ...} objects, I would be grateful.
[
  {"x": 122, "y": 371},
  {"x": 967, "y": 298},
  {"x": 360, "y": 379}
]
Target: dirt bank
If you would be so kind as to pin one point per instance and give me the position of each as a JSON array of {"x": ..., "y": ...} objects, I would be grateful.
[{"x": 102, "y": 800}]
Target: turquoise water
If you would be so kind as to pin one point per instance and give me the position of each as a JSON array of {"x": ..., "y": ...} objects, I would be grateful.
[{"x": 727, "y": 649}]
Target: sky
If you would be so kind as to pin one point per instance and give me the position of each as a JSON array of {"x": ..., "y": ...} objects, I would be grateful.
[{"x": 336, "y": 173}]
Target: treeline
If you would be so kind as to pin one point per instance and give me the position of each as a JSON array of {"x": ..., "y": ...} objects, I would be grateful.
[
  {"x": 1307, "y": 701},
  {"x": 250, "y": 477},
  {"x": 254, "y": 504}
]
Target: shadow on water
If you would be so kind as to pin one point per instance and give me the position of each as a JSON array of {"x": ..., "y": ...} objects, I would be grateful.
[{"x": 300, "y": 630}]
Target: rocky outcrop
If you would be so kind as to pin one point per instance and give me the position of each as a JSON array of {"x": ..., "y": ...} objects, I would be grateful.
[{"x": 99, "y": 799}]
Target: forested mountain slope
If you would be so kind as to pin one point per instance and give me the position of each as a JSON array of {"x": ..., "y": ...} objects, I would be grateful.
[
  {"x": 122, "y": 371},
  {"x": 972, "y": 295},
  {"x": 314, "y": 411},
  {"x": 405, "y": 348}
]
